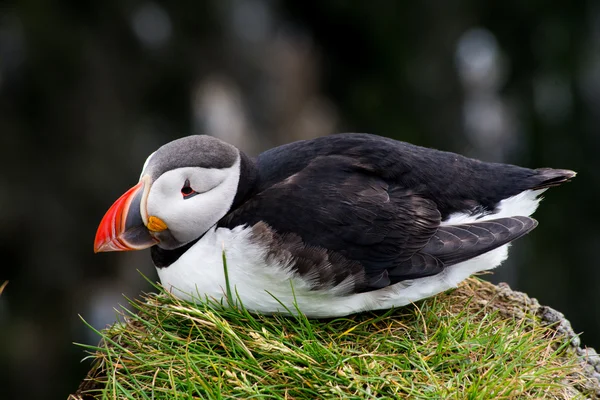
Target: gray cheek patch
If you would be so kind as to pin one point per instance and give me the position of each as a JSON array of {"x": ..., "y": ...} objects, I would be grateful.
[{"x": 192, "y": 151}]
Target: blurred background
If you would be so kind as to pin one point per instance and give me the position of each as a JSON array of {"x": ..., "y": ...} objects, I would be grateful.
[{"x": 89, "y": 89}]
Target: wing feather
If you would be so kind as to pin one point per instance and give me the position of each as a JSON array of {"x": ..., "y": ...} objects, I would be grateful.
[{"x": 456, "y": 243}]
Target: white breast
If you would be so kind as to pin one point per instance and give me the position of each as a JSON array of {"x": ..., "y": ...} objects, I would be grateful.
[{"x": 199, "y": 274}]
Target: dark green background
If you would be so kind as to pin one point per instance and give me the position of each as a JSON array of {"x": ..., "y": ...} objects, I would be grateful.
[{"x": 84, "y": 100}]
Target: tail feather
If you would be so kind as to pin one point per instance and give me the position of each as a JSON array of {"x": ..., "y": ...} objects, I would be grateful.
[{"x": 548, "y": 177}]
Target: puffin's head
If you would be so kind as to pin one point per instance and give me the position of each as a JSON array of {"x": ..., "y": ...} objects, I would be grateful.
[{"x": 185, "y": 188}]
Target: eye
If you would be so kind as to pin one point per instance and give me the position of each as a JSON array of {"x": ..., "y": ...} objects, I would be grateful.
[{"x": 187, "y": 191}]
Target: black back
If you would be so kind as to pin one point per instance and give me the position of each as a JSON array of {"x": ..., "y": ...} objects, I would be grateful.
[{"x": 454, "y": 182}]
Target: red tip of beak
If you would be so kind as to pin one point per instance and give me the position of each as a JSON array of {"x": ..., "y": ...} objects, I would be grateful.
[{"x": 112, "y": 232}]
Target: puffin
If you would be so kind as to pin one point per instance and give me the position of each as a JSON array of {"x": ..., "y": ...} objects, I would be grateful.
[{"x": 326, "y": 227}]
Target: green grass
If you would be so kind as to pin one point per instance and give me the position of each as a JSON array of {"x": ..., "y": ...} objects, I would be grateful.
[{"x": 464, "y": 345}]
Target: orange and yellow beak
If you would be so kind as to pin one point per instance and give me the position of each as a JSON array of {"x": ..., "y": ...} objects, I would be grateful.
[{"x": 123, "y": 227}]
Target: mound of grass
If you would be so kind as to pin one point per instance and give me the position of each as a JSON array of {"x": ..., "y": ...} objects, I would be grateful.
[{"x": 474, "y": 342}]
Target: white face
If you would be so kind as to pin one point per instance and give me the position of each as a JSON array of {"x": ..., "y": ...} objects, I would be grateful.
[{"x": 190, "y": 200}]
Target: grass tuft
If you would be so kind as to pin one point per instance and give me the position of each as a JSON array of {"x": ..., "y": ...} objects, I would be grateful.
[
  {"x": 226, "y": 273},
  {"x": 467, "y": 344}
]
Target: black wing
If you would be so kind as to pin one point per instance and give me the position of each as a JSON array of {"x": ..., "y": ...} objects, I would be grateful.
[
  {"x": 338, "y": 215},
  {"x": 453, "y": 244}
]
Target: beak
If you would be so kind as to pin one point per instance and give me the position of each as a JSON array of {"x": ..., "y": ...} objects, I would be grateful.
[{"x": 122, "y": 227}]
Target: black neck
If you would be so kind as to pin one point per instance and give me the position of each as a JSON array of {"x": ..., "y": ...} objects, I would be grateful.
[
  {"x": 162, "y": 258},
  {"x": 247, "y": 183}
]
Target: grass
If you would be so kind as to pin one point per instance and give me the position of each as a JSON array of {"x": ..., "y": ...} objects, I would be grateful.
[{"x": 467, "y": 344}]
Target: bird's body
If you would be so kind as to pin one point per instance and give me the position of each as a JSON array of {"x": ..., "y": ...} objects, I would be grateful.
[{"x": 334, "y": 225}]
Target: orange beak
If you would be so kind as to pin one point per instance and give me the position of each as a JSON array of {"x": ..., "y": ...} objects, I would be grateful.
[{"x": 122, "y": 227}]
